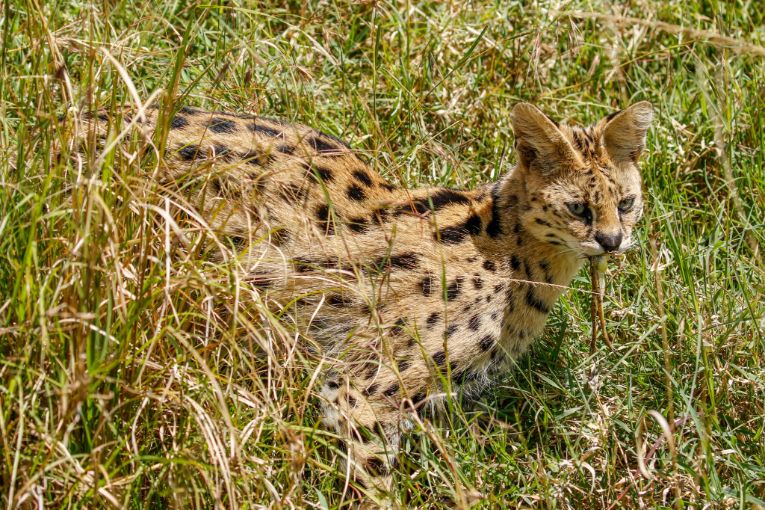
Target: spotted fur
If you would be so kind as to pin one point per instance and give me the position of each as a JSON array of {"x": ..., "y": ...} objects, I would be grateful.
[{"x": 411, "y": 292}]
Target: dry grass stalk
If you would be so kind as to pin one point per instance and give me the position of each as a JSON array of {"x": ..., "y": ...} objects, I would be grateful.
[
  {"x": 597, "y": 278},
  {"x": 705, "y": 36}
]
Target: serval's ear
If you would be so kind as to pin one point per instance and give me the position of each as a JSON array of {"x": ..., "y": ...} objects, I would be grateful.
[
  {"x": 541, "y": 146},
  {"x": 624, "y": 132}
]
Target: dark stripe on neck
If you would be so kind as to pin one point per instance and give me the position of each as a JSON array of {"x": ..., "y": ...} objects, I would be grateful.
[
  {"x": 494, "y": 227},
  {"x": 534, "y": 302}
]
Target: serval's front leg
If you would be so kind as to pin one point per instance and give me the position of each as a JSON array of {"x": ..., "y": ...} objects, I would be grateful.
[{"x": 369, "y": 428}]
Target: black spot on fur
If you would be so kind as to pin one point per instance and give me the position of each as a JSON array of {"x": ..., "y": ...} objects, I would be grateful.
[
  {"x": 398, "y": 327},
  {"x": 458, "y": 233},
  {"x": 433, "y": 319},
  {"x": 542, "y": 222},
  {"x": 419, "y": 397},
  {"x": 322, "y": 215},
  {"x": 219, "y": 125},
  {"x": 280, "y": 236},
  {"x": 474, "y": 323},
  {"x": 427, "y": 285},
  {"x": 302, "y": 264},
  {"x": 239, "y": 242},
  {"x": 535, "y": 303},
  {"x": 354, "y": 192},
  {"x": 477, "y": 282},
  {"x": 439, "y": 358},
  {"x": 439, "y": 200},
  {"x": 189, "y": 152},
  {"x": 370, "y": 390},
  {"x": 473, "y": 225},
  {"x": 221, "y": 151},
  {"x": 453, "y": 289},
  {"x": 399, "y": 261},
  {"x": 179, "y": 122},
  {"x": 322, "y": 146},
  {"x": 332, "y": 385},
  {"x": 318, "y": 172},
  {"x": 333, "y": 137},
  {"x": 450, "y": 330},
  {"x": 376, "y": 467},
  {"x": 285, "y": 149},
  {"x": 404, "y": 260},
  {"x": 403, "y": 365},
  {"x": 256, "y": 158},
  {"x": 215, "y": 186},
  {"x": 371, "y": 369},
  {"x": 351, "y": 401},
  {"x": 256, "y": 127},
  {"x": 363, "y": 177},
  {"x": 358, "y": 225},
  {"x": 515, "y": 263},
  {"x": 336, "y": 300},
  {"x": 489, "y": 265},
  {"x": 486, "y": 343},
  {"x": 451, "y": 235},
  {"x": 391, "y": 390}
]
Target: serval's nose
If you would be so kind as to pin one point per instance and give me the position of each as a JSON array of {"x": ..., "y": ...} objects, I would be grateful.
[{"x": 609, "y": 241}]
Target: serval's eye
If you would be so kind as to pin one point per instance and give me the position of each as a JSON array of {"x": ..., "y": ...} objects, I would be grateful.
[
  {"x": 626, "y": 204},
  {"x": 579, "y": 209}
]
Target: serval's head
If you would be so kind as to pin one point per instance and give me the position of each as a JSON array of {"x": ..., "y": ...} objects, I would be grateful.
[{"x": 583, "y": 184}]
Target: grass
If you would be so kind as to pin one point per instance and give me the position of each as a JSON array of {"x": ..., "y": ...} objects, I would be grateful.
[{"x": 122, "y": 384}]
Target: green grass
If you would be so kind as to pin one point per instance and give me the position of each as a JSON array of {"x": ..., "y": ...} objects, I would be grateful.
[{"x": 122, "y": 382}]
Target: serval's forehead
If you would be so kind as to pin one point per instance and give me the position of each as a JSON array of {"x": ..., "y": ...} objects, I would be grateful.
[
  {"x": 598, "y": 180},
  {"x": 587, "y": 141}
]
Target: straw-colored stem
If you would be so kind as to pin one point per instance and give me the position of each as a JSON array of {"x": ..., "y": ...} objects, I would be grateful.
[{"x": 597, "y": 278}]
